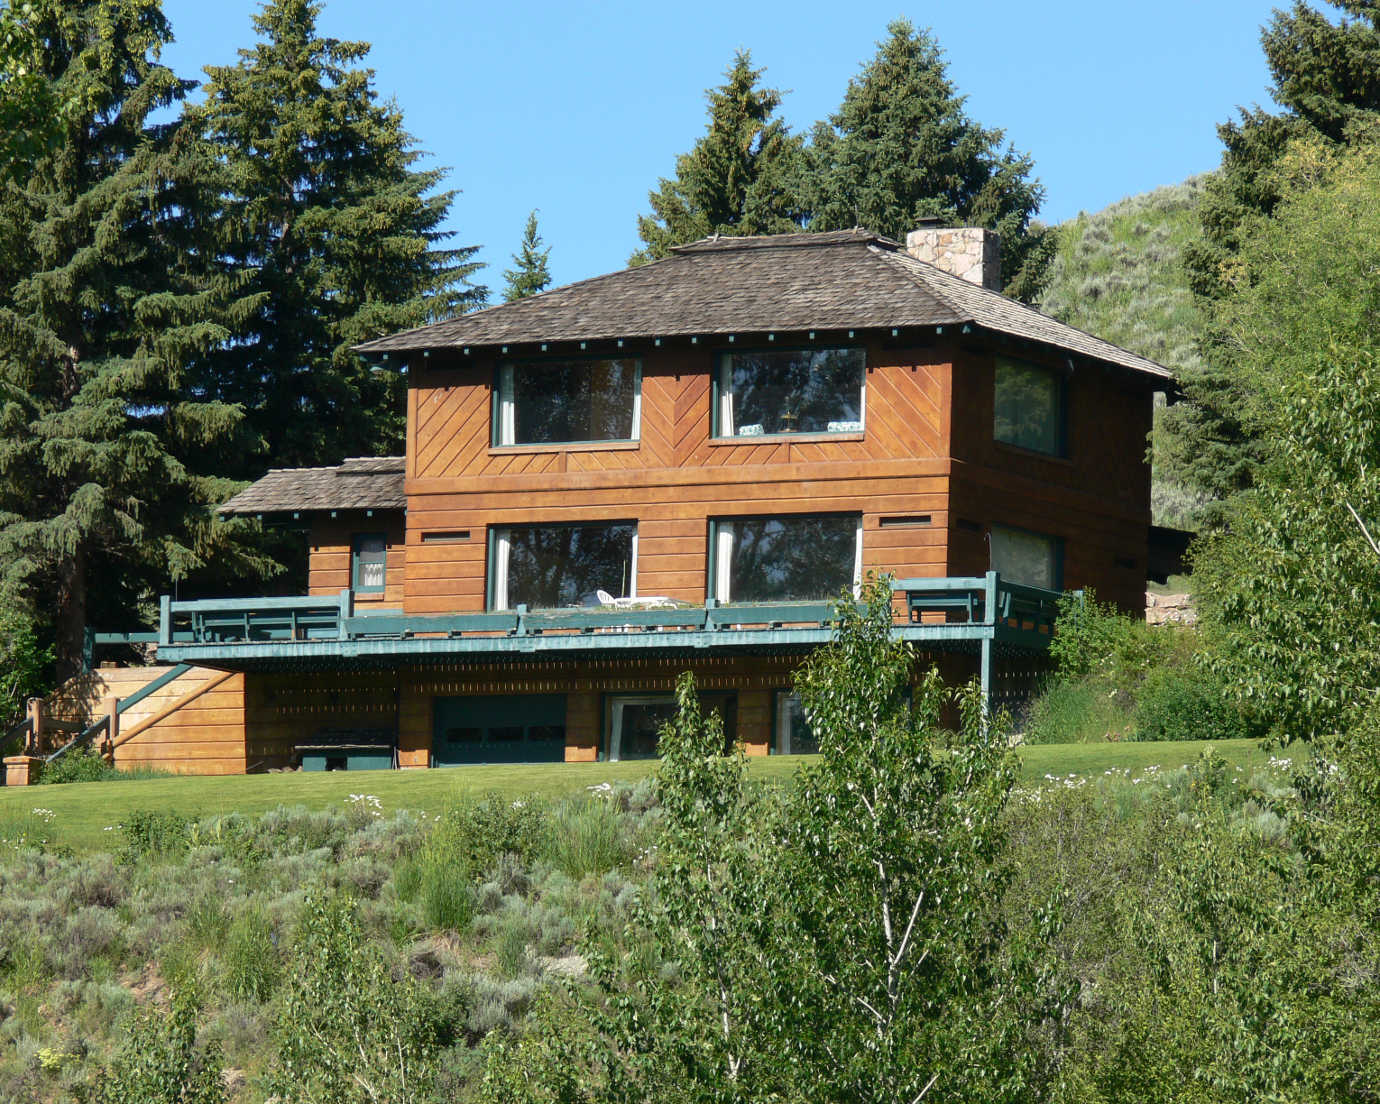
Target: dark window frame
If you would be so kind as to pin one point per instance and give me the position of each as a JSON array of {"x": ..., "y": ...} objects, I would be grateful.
[
  {"x": 709, "y": 701},
  {"x": 716, "y": 525},
  {"x": 516, "y": 363},
  {"x": 1056, "y": 543},
  {"x": 491, "y": 565},
  {"x": 723, "y": 357},
  {"x": 1061, "y": 409}
]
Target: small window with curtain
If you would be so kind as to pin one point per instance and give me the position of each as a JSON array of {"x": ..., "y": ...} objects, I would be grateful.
[
  {"x": 1033, "y": 559},
  {"x": 578, "y": 401},
  {"x": 370, "y": 563},
  {"x": 1029, "y": 407},
  {"x": 783, "y": 391}
]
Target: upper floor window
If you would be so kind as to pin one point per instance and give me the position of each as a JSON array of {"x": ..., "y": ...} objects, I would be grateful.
[
  {"x": 789, "y": 391},
  {"x": 550, "y": 402},
  {"x": 1029, "y": 408},
  {"x": 369, "y": 566},
  {"x": 1021, "y": 556},
  {"x": 783, "y": 559},
  {"x": 550, "y": 566}
]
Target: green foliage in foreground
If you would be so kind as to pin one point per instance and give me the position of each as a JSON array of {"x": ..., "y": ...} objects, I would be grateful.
[
  {"x": 839, "y": 940},
  {"x": 1291, "y": 591},
  {"x": 160, "y": 1062},
  {"x": 348, "y": 1031}
]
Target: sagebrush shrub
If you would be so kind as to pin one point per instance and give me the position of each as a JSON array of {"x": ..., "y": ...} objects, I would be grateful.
[{"x": 587, "y": 837}]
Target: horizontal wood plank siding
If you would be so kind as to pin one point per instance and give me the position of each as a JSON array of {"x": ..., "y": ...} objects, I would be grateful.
[
  {"x": 330, "y": 564},
  {"x": 1096, "y": 498},
  {"x": 206, "y": 736}
]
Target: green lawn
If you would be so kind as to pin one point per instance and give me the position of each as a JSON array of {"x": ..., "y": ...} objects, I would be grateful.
[{"x": 82, "y": 812}]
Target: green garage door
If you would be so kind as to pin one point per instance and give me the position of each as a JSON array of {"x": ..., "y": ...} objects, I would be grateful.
[{"x": 503, "y": 728}]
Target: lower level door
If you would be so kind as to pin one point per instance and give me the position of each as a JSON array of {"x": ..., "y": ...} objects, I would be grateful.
[{"x": 499, "y": 728}]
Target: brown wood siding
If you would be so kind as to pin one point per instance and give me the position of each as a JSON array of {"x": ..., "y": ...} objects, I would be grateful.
[
  {"x": 1096, "y": 498},
  {"x": 286, "y": 710},
  {"x": 332, "y": 543},
  {"x": 676, "y": 478},
  {"x": 206, "y": 736}
]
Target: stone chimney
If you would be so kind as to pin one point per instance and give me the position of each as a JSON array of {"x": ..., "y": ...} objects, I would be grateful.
[{"x": 968, "y": 252}]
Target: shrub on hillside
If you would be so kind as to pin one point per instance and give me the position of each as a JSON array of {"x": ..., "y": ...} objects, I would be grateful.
[
  {"x": 588, "y": 837},
  {"x": 1118, "y": 678}
]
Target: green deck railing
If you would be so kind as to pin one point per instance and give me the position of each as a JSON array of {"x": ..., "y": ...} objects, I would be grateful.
[{"x": 959, "y": 606}]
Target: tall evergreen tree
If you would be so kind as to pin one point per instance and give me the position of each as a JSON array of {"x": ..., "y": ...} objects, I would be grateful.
[
  {"x": 740, "y": 178},
  {"x": 106, "y": 296},
  {"x": 901, "y": 147},
  {"x": 1326, "y": 78},
  {"x": 529, "y": 273},
  {"x": 324, "y": 205}
]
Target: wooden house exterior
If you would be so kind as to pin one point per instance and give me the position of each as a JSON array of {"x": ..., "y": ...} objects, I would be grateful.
[{"x": 712, "y": 442}]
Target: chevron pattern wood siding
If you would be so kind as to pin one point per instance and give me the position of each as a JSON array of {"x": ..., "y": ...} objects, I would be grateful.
[{"x": 675, "y": 478}]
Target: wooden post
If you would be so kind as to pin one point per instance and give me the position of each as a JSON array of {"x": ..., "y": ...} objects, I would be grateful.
[
  {"x": 37, "y": 713},
  {"x": 112, "y": 729},
  {"x": 21, "y": 770}
]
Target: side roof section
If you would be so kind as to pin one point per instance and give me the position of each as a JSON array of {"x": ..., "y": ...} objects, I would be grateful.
[{"x": 361, "y": 483}]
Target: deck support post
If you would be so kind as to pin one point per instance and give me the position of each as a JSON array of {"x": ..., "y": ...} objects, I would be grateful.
[{"x": 985, "y": 676}]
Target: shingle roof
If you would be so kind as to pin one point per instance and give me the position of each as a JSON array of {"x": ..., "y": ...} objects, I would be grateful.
[
  {"x": 846, "y": 279},
  {"x": 361, "y": 483}
]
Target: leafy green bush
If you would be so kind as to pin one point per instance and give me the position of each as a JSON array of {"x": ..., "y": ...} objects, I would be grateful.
[
  {"x": 84, "y": 764},
  {"x": 1118, "y": 678},
  {"x": 151, "y": 832},
  {"x": 160, "y": 1062},
  {"x": 1178, "y": 703},
  {"x": 24, "y": 663},
  {"x": 1077, "y": 713},
  {"x": 438, "y": 880},
  {"x": 348, "y": 1030},
  {"x": 587, "y": 837}
]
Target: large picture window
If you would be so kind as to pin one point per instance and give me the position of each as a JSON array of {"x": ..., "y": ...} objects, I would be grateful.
[
  {"x": 1029, "y": 407},
  {"x": 633, "y": 723},
  {"x": 551, "y": 566},
  {"x": 1021, "y": 556},
  {"x": 783, "y": 559},
  {"x": 545, "y": 402},
  {"x": 790, "y": 391}
]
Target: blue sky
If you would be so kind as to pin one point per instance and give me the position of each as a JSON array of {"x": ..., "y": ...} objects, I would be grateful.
[{"x": 578, "y": 110}]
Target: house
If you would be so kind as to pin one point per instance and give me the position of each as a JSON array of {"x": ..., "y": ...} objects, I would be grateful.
[{"x": 673, "y": 467}]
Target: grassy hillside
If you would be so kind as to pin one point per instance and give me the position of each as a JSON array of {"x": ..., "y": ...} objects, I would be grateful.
[
  {"x": 1118, "y": 274},
  {"x": 84, "y": 817}
]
